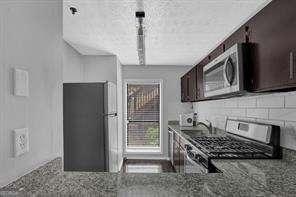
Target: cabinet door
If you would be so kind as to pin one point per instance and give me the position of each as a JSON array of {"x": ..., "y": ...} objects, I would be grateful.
[
  {"x": 170, "y": 145},
  {"x": 176, "y": 157},
  {"x": 199, "y": 83},
  {"x": 215, "y": 53},
  {"x": 182, "y": 144},
  {"x": 188, "y": 86},
  {"x": 192, "y": 91},
  {"x": 182, "y": 160},
  {"x": 184, "y": 88},
  {"x": 273, "y": 32}
]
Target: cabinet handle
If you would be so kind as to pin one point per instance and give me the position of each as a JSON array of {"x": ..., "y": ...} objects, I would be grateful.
[{"x": 291, "y": 65}]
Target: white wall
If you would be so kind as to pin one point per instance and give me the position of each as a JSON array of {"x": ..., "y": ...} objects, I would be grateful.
[
  {"x": 100, "y": 68},
  {"x": 172, "y": 105},
  {"x": 73, "y": 70},
  {"x": 31, "y": 38},
  {"x": 88, "y": 68},
  {"x": 276, "y": 108}
]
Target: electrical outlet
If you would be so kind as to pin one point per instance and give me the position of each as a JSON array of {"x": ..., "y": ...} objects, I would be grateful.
[{"x": 21, "y": 141}]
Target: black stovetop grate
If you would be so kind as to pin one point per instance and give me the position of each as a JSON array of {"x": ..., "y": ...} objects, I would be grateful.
[{"x": 226, "y": 147}]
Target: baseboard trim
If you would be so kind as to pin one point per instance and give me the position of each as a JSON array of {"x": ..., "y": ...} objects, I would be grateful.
[{"x": 27, "y": 171}]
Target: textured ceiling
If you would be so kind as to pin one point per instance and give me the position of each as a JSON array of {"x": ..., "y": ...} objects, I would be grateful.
[{"x": 178, "y": 32}]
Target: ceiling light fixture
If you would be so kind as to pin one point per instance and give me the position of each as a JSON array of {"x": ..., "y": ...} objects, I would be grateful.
[{"x": 140, "y": 15}]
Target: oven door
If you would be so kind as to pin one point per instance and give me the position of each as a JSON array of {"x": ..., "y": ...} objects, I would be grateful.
[{"x": 192, "y": 166}]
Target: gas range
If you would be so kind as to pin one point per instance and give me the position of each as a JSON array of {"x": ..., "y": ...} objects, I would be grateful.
[
  {"x": 227, "y": 147},
  {"x": 243, "y": 140}
]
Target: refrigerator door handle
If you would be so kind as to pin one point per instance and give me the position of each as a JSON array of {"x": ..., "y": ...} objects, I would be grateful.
[{"x": 110, "y": 114}]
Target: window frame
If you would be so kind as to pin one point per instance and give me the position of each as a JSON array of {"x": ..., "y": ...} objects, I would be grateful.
[{"x": 143, "y": 150}]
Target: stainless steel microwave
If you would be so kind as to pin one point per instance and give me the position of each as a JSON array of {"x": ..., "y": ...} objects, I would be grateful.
[{"x": 224, "y": 75}]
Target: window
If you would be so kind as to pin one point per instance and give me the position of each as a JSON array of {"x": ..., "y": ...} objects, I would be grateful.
[{"x": 143, "y": 117}]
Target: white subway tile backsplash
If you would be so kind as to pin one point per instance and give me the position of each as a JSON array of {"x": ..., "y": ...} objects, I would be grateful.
[
  {"x": 218, "y": 103},
  {"x": 239, "y": 112},
  {"x": 290, "y": 101},
  {"x": 276, "y": 108},
  {"x": 271, "y": 101},
  {"x": 248, "y": 119},
  {"x": 226, "y": 111},
  {"x": 257, "y": 113},
  {"x": 283, "y": 114},
  {"x": 247, "y": 103},
  {"x": 232, "y": 103}
]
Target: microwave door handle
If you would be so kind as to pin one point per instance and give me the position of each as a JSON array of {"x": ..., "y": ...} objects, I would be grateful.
[{"x": 226, "y": 78}]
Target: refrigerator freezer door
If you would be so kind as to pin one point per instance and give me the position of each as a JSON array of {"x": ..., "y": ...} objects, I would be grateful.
[{"x": 84, "y": 133}]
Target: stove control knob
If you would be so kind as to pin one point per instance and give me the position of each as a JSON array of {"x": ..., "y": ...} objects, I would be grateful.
[
  {"x": 197, "y": 156},
  {"x": 201, "y": 159},
  {"x": 188, "y": 147},
  {"x": 190, "y": 154}
]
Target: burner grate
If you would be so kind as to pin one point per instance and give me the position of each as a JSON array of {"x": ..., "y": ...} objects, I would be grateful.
[{"x": 226, "y": 147}]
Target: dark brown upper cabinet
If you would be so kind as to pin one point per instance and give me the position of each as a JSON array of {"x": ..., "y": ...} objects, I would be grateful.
[
  {"x": 215, "y": 53},
  {"x": 192, "y": 93},
  {"x": 188, "y": 86},
  {"x": 184, "y": 88},
  {"x": 199, "y": 82},
  {"x": 192, "y": 85},
  {"x": 272, "y": 31},
  {"x": 272, "y": 63},
  {"x": 239, "y": 36}
]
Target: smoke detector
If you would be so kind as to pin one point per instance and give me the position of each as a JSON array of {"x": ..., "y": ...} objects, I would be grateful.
[{"x": 73, "y": 10}]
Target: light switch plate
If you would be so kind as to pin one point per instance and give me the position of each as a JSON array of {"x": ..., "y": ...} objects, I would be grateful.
[
  {"x": 21, "y": 82},
  {"x": 21, "y": 141}
]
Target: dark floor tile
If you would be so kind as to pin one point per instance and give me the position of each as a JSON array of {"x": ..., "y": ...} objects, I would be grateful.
[{"x": 147, "y": 166}]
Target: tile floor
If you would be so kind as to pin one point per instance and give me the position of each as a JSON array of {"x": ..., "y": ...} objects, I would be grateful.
[{"x": 147, "y": 166}]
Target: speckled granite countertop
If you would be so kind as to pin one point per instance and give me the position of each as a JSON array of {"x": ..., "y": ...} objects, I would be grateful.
[
  {"x": 277, "y": 176},
  {"x": 50, "y": 180},
  {"x": 239, "y": 178}
]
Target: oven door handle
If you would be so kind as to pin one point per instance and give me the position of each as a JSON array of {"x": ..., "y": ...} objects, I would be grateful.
[
  {"x": 196, "y": 167},
  {"x": 191, "y": 160}
]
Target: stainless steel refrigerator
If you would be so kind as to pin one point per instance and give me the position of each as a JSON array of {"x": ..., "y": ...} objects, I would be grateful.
[{"x": 90, "y": 127}]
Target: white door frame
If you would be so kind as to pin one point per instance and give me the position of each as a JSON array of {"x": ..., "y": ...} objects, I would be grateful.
[{"x": 143, "y": 81}]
